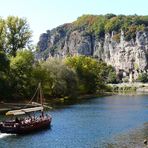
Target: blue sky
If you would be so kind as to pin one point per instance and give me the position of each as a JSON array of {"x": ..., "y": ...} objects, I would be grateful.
[{"x": 44, "y": 15}]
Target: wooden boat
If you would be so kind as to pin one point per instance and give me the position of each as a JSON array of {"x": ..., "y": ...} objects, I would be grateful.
[{"x": 28, "y": 123}]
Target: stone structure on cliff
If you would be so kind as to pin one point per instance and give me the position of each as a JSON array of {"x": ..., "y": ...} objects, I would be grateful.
[{"x": 128, "y": 57}]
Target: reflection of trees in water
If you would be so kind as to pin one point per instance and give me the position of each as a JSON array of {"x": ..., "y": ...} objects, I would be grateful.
[{"x": 132, "y": 139}]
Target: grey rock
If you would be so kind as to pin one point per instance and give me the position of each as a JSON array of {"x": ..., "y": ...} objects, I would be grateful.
[
  {"x": 127, "y": 56},
  {"x": 43, "y": 42}
]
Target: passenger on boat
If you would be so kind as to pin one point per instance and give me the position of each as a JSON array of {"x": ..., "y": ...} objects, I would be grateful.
[
  {"x": 16, "y": 124},
  {"x": 17, "y": 120},
  {"x": 27, "y": 121}
]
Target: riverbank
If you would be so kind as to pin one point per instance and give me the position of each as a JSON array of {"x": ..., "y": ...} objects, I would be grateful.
[
  {"x": 52, "y": 103},
  {"x": 125, "y": 87}
]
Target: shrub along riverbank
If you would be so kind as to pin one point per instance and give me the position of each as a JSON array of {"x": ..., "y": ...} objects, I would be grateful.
[
  {"x": 69, "y": 77},
  {"x": 137, "y": 87}
]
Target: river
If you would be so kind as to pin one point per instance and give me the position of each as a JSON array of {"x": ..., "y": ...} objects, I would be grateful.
[{"x": 104, "y": 122}]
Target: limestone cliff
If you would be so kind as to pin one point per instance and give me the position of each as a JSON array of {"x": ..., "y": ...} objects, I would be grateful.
[{"x": 124, "y": 55}]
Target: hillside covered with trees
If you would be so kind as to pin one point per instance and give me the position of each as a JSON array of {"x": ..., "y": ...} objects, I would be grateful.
[{"x": 100, "y": 24}]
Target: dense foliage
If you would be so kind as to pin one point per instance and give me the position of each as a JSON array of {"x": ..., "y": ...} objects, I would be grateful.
[
  {"x": 143, "y": 77},
  {"x": 92, "y": 75},
  {"x": 101, "y": 24},
  {"x": 15, "y": 34},
  {"x": 59, "y": 77}
]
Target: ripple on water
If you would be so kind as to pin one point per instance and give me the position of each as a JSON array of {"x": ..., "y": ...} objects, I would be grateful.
[{"x": 3, "y": 135}]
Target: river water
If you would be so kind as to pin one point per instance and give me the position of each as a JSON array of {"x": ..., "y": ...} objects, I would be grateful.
[{"x": 105, "y": 122}]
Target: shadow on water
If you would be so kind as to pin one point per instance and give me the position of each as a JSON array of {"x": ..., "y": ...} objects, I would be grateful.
[
  {"x": 132, "y": 139},
  {"x": 66, "y": 103}
]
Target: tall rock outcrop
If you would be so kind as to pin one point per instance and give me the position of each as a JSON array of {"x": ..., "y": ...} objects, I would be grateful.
[
  {"x": 126, "y": 51},
  {"x": 122, "y": 55},
  {"x": 131, "y": 55}
]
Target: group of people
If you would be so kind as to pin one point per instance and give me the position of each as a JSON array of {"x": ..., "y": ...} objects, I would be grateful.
[{"x": 31, "y": 119}]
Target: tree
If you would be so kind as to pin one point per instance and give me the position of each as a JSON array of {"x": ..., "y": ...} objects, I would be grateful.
[
  {"x": 59, "y": 80},
  {"x": 21, "y": 68},
  {"x": 143, "y": 77},
  {"x": 89, "y": 71},
  {"x": 111, "y": 75},
  {"x": 18, "y": 34},
  {"x": 110, "y": 15},
  {"x": 4, "y": 71},
  {"x": 4, "y": 62},
  {"x": 114, "y": 24},
  {"x": 2, "y": 34}
]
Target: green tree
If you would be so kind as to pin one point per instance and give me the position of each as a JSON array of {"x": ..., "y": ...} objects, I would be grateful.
[
  {"x": 143, "y": 77},
  {"x": 64, "y": 81},
  {"x": 21, "y": 68},
  {"x": 111, "y": 75},
  {"x": 89, "y": 71},
  {"x": 57, "y": 79},
  {"x": 4, "y": 62},
  {"x": 4, "y": 77},
  {"x": 114, "y": 24},
  {"x": 18, "y": 34},
  {"x": 2, "y": 34},
  {"x": 110, "y": 15}
]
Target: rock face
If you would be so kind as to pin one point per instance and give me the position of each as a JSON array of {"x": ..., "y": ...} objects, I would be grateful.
[
  {"x": 131, "y": 55},
  {"x": 126, "y": 56}
]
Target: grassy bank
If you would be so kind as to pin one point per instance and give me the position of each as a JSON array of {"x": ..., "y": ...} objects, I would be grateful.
[{"x": 129, "y": 87}]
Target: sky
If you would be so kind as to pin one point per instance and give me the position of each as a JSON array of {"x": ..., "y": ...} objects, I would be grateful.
[{"x": 45, "y": 15}]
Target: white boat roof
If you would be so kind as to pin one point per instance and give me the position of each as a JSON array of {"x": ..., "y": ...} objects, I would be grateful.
[{"x": 24, "y": 111}]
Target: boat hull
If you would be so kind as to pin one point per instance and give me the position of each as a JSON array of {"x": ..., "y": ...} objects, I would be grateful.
[{"x": 26, "y": 129}]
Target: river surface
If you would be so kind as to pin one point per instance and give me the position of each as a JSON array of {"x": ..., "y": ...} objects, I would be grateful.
[{"x": 105, "y": 122}]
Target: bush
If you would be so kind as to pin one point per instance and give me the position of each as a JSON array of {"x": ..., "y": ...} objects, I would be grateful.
[{"x": 143, "y": 77}]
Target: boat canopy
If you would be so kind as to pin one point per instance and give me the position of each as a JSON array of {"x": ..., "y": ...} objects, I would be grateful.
[{"x": 23, "y": 111}]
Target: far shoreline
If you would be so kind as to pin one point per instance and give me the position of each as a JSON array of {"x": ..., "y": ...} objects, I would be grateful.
[{"x": 139, "y": 89}]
